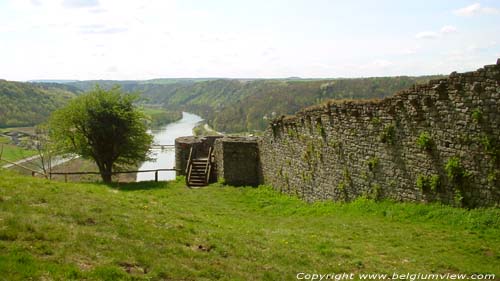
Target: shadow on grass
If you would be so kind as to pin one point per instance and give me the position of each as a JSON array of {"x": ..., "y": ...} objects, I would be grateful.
[{"x": 143, "y": 185}]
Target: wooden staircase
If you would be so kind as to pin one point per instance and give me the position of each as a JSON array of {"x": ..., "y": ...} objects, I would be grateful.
[{"x": 198, "y": 170}]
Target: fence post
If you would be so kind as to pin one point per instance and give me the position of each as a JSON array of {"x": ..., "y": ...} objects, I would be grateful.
[
  {"x": 65, "y": 177},
  {"x": 32, "y": 173},
  {"x": 156, "y": 176}
]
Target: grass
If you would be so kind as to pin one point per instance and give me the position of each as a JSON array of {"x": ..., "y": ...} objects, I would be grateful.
[
  {"x": 14, "y": 153},
  {"x": 161, "y": 117},
  {"x": 152, "y": 111},
  {"x": 27, "y": 130},
  {"x": 4, "y": 140},
  {"x": 164, "y": 231}
]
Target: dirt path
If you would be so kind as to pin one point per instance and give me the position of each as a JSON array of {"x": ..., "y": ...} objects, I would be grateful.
[{"x": 55, "y": 162}]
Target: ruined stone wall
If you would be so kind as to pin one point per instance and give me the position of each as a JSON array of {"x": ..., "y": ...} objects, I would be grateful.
[
  {"x": 433, "y": 142},
  {"x": 183, "y": 146},
  {"x": 237, "y": 161}
]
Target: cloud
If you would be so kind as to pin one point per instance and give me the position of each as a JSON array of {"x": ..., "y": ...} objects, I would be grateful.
[
  {"x": 411, "y": 51},
  {"x": 475, "y": 9},
  {"x": 375, "y": 64},
  {"x": 80, "y": 3},
  {"x": 427, "y": 35},
  {"x": 101, "y": 29},
  {"x": 112, "y": 68},
  {"x": 448, "y": 29}
]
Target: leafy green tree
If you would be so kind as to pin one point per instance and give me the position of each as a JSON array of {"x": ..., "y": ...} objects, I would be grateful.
[{"x": 103, "y": 125}]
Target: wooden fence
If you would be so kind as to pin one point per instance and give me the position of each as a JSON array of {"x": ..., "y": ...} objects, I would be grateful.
[
  {"x": 50, "y": 174},
  {"x": 113, "y": 173}
]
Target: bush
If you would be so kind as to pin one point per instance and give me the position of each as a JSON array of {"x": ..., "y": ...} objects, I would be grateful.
[
  {"x": 426, "y": 183},
  {"x": 424, "y": 141},
  {"x": 372, "y": 163},
  {"x": 388, "y": 135},
  {"x": 456, "y": 173},
  {"x": 477, "y": 115}
]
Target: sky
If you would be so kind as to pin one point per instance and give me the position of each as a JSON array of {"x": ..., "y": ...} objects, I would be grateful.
[{"x": 132, "y": 40}]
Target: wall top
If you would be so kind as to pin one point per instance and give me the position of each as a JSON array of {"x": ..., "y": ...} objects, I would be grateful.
[
  {"x": 491, "y": 71},
  {"x": 238, "y": 139}
]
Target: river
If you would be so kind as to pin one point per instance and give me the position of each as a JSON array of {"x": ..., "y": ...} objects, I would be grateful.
[{"x": 165, "y": 159}]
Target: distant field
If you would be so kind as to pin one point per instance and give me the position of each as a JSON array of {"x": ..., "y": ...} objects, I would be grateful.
[
  {"x": 14, "y": 153},
  {"x": 161, "y": 117},
  {"x": 164, "y": 231},
  {"x": 28, "y": 130}
]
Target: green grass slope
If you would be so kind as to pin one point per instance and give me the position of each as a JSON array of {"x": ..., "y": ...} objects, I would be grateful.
[
  {"x": 14, "y": 153},
  {"x": 164, "y": 231}
]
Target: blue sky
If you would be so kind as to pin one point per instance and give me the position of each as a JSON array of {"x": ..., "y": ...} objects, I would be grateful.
[{"x": 113, "y": 39}]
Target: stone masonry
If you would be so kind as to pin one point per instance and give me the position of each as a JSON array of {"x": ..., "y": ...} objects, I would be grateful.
[
  {"x": 237, "y": 160},
  {"x": 434, "y": 142}
]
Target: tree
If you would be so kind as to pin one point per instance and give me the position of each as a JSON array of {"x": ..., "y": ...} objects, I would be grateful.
[{"x": 105, "y": 126}]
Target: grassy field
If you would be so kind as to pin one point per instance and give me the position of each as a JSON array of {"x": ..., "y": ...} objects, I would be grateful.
[
  {"x": 161, "y": 117},
  {"x": 14, "y": 153},
  {"x": 164, "y": 231}
]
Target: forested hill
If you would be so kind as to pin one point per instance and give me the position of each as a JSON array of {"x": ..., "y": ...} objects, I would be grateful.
[
  {"x": 232, "y": 105},
  {"x": 27, "y": 104},
  {"x": 229, "y": 105},
  {"x": 236, "y": 106}
]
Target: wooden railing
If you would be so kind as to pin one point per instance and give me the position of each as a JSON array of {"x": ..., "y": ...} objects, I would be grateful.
[
  {"x": 162, "y": 146},
  {"x": 189, "y": 165},
  {"x": 113, "y": 173},
  {"x": 208, "y": 165}
]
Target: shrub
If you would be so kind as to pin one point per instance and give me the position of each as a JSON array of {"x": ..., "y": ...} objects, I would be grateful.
[
  {"x": 372, "y": 163},
  {"x": 426, "y": 183},
  {"x": 422, "y": 182},
  {"x": 456, "y": 173},
  {"x": 388, "y": 135},
  {"x": 424, "y": 141},
  {"x": 435, "y": 182},
  {"x": 477, "y": 115}
]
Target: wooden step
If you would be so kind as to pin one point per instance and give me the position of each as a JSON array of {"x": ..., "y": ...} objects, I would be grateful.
[{"x": 197, "y": 176}]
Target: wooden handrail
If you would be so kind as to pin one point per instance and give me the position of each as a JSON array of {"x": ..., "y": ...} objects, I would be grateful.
[
  {"x": 189, "y": 159},
  {"x": 112, "y": 173},
  {"x": 65, "y": 174},
  {"x": 189, "y": 166},
  {"x": 208, "y": 166},
  {"x": 208, "y": 159}
]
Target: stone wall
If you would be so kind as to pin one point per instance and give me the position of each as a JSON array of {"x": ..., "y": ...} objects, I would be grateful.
[
  {"x": 183, "y": 146},
  {"x": 237, "y": 160},
  {"x": 434, "y": 142}
]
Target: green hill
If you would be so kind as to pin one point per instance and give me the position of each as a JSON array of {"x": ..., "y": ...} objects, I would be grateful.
[
  {"x": 27, "y": 104},
  {"x": 165, "y": 231},
  {"x": 228, "y": 105},
  {"x": 234, "y": 105}
]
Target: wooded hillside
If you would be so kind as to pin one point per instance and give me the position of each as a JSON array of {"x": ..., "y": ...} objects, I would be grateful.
[{"x": 27, "y": 104}]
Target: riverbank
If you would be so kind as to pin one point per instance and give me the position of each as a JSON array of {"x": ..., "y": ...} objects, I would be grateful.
[
  {"x": 161, "y": 117},
  {"x": 203, "y": 129}
]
